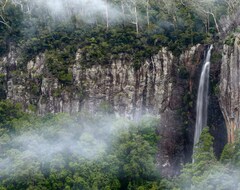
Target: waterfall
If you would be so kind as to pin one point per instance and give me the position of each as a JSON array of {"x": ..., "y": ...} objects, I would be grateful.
[{"x": 202, "y": 98}]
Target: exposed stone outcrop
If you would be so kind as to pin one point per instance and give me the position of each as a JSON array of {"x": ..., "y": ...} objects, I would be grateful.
[
  {"x": 151, "y": 89},
  {"x": 131, "y": 93},
  {"x": 157, "y": 87},
  {"x": 230, "y": 87}
]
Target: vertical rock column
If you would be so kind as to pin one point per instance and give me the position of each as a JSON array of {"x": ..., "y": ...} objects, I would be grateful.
[{"x": 230, "y": 87}]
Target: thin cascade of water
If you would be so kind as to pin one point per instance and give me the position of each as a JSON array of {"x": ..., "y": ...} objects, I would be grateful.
[{"x": 202, "y": 98}]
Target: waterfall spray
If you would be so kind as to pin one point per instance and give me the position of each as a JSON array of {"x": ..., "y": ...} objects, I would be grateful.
[{"x": 202, "y": 98}]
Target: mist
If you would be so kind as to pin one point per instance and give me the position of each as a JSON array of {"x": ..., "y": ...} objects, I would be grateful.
[
  {"x": 86, "y": 138},
  {"x": 87, "y": 11},
  {"x": 218, "y": 176}
]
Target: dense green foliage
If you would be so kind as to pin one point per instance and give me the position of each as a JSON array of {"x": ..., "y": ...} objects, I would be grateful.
[
  {"x": 78, "y": 152},
  {"x": 8, "y": 113},
  {"x": 11, "y": 31},
  {"x": 172, "y": 24},
  {"x": 58, "y": 64},
  {"x": 100, "y": 152},
  {"x": 138, "y": 31},
  {"x": 208, "y": 173}
]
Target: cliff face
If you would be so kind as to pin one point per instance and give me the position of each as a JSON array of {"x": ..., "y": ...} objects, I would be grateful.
[
  {"x": 230, "y": 87},
  {"x": 128, "y": 92},
  {"x": 160, "y": 86},
  {"x": 164, "y": 85}
]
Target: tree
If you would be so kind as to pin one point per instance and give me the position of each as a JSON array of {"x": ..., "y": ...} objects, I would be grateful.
[
  {"x": 233, "y": 6},
  {"x": 132, "y": 8},
  {"x": 206, "y": 10},
  {"x": 11, "y": 19},
  {"x": 203, "y": 160},
  {"x": 3, "y": 20},
  {"x": 8, "y": 112},
  {"x": 135, "y": 150}
]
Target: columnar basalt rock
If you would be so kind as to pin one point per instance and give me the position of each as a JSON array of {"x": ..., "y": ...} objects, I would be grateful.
[
  {"x": 130, "y": 92},
  {"x": 230, "y": 87}
]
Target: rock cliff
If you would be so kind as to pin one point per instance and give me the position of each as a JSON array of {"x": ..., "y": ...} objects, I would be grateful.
[
  {"x": 230, "y": 87},
  {"x": 160, "y": 86},
  {"x": 129, "y": 92}
]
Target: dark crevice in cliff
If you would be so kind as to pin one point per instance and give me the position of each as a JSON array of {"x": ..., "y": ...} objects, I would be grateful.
[{"x": 215, "y": 117}]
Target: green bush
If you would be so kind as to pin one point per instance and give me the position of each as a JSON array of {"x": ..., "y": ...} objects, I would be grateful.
[
  {"x": 230, "y": 40},
  {"x": 58, "y": 63},
  {"x": 92, "y": 152},
  {"x": 8, "y": 112}
]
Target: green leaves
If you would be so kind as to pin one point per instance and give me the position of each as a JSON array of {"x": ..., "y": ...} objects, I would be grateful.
[
  {"x": 79, "y": 152},
  {"x": 11, "y": 18},
  {"x": 58, "y": 64},
  {"x": 204, "y": 149},
  {"x": 8, "y": 112},
  {"x": 206, "y": 172}
]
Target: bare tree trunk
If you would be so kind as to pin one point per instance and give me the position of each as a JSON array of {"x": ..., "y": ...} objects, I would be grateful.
[
  {"x": 136, "y": 17},
  {"x": 208, "y": 23},
  {"x": 28, "y": 9},
  {"x": 3, "y": 21},
  {"x": 6, "y": 24},
  {"x": 67, "y": 7},
  {"x": 214, "y": 18},
  {"x": 215, "y": 21},
  {"x": 133, "y": 9},
  {"x": 123, "y": 11},
  {"x": 4, "y": 5},
  {"x": 232, "y": 5},
  {"x": 148, "y": 22},
  {"x": 107, "y": 15}
]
